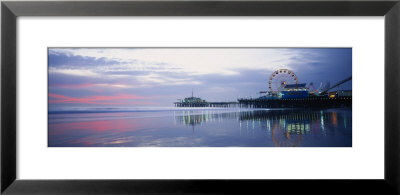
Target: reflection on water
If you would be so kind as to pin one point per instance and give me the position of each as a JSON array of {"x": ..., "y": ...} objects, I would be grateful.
[
  {"x": 284, "y": 128},
  {"x": 226, "y": 127}
]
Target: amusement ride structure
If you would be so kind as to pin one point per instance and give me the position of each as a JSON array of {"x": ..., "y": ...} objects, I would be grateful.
[{"x": 280, "y": 78}]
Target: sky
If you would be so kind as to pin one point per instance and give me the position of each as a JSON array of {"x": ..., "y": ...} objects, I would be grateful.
[{"x": 157, "y": 77}]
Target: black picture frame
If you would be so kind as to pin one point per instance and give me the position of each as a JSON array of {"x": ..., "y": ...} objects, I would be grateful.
[{"x": 10, "y": 10}]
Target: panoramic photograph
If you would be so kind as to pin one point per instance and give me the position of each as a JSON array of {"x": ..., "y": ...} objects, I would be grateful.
[{"x": 199, "y": 97}]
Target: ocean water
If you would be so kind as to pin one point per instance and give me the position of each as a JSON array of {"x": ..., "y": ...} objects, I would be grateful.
[{"x": 201, "y": 127}]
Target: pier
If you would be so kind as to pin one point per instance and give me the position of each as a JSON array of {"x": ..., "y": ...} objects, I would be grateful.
[
  {"x": 284, "y": 92},
  {"x": 310, "y": 102}
]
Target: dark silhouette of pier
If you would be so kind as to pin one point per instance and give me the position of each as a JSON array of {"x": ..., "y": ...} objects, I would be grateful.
[{"x": 311, "y": 102}]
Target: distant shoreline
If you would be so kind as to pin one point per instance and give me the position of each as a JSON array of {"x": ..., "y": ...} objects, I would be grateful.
[{"x": 167, "y": 109}]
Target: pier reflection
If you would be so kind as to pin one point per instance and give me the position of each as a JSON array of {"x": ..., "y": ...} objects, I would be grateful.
[
  {"x": 194, "y": 118},
  {"x": 286, "y": 128}
]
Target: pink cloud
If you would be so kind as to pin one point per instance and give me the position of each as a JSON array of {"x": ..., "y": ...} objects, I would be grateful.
[
  {"x": 116, "y": 99},
  {"x": 91, "y": 85}
]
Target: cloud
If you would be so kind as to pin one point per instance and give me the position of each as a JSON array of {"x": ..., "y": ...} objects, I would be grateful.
[
  {"x": 116, "y": 99},
  {"x": 74, "y": 72},
  {"x": 65, "y": 59},
  {"x": 142, "y": 68},
  {"x": 158, "y": 79},
  {"x": 194, "y": 61}
]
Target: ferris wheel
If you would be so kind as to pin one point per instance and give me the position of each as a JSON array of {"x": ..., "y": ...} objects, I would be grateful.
[{"x": 280, "y": 78}]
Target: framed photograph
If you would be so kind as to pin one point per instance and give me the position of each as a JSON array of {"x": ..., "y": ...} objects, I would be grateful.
[
  {"x": 199, "y": 97},
  {"x": 138, "y": 99}
]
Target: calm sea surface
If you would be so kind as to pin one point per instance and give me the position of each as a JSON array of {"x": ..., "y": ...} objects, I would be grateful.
[{"x": 202, "y": 127}]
